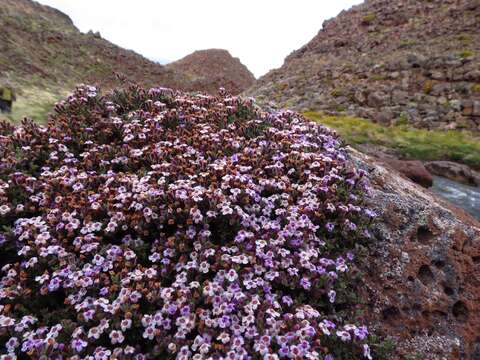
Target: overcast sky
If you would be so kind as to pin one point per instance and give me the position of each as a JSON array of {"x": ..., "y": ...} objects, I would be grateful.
[{"x": 260, "y": 32}]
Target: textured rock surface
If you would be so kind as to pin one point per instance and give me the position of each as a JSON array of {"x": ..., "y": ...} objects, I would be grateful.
[
  {"x": 423, "y": 271},
  {"x": 454, "y": 171},
  {"x": 211, "y": 69},
  {"x": 412, "y": 169},
  {"x": 390, "y": 61},
  {"x": 41, "y": 47}
]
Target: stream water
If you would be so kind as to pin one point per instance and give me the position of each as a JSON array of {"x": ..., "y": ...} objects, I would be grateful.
[{"x": 464, "y": 196}]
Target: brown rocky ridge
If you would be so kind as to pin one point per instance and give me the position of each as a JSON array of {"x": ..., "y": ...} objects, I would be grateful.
[
  {"x": 390, "y": 61},
  {"x": 211, "y": 69}
]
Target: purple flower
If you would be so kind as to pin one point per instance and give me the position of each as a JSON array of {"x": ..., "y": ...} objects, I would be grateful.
[
  {"x": 78, "y": 345},
  {"x": 330, "y": 227}
]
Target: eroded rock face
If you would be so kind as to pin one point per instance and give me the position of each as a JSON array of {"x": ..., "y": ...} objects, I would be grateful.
[{"x": 422, "y": 279}]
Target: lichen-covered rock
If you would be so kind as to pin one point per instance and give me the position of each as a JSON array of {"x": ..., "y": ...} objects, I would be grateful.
[{"x": 422, "y": 273}]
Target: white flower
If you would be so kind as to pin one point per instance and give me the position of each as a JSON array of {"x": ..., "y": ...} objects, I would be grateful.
[
  {"x": 4, "y": 210},
  {"x": 116, "y": 337},
  {"x": 149, "y": 333},
  {"x": 126, "y": 324}
]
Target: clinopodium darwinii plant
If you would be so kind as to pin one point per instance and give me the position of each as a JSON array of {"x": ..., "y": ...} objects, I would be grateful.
[{"x": 157, "y": 224}]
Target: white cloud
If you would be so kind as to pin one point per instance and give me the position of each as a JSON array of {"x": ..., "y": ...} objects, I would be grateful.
[{"x": 260, "y": 32}]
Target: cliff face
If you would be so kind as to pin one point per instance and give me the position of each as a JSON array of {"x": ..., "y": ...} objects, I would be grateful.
[{"x": 390, "y": 61}]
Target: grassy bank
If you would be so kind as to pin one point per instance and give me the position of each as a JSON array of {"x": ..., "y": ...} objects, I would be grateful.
[
  {"x": 34, "y": 103},
  {"x": 460, "y": 146}
]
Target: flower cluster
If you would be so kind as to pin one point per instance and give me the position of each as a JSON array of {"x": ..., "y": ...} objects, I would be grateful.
[{"x": 158, "y": 224}]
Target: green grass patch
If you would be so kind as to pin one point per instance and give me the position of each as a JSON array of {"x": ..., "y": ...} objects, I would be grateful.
[
  {"x": 369, "y": 19},
  {"x": 419, "y": 144},
  {"x": 466, "y": 54},
  {"x": 34, "y": 103}
]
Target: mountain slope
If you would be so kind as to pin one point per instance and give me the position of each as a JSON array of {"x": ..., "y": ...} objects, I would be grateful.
[
  {"x": 215, "y": 67},
  {"x": 391, "y": 61},
  {"x": 43, "y": 55}
]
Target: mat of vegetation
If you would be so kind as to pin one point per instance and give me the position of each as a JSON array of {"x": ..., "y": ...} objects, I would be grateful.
[
  {"x": 156, "y": 224},
  {"x": 453, "y": 145}
]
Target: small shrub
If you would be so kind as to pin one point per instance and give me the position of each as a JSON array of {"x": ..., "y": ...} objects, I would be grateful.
[
  {"x": 466, "y": 39},
  {"x": 466, "y": 54},
  {"x": 337, "y": 92},
  {"x": 161, "y": 225},
  {"x": 408, "y": 43},
  {"x": 402, "y": 120},
  {"x": 476, "y": 89},
  {"x": 369, "y": 19},
  {"x": 428, "y": 87}
]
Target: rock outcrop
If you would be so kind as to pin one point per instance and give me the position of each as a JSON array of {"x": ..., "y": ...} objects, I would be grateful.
[
  {"x": 214, "y": 68},
  {"x": 412, "y": 169},
  {"x": 453, "y": 171},
  {"x": 423, "y": 269},
  {"x": 392, "y": 61}
]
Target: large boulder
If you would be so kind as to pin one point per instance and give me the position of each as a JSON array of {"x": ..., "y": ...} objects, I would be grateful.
[
  {"x": 454, "y": 171},
  {"x": 422, "y": 272},
  {"x": 412, "y": 169}
]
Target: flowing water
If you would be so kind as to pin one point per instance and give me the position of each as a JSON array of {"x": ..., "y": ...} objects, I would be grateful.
[{"x": 464, "y": 196}]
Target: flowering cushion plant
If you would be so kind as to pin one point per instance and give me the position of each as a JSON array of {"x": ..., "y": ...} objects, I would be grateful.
[{"x": 158, "y": 224}]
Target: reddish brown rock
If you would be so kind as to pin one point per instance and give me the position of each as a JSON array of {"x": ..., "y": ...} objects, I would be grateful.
[
  {"x": 422, "y": 274},
  {"x": 454, "y": 171},
  {"x": 412, "y": 169}
]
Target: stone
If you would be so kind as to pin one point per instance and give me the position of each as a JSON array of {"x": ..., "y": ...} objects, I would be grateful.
[
  {"x": 359, "y": 97},
  {"x": 476, "y": 109},
  {"x": 454, "y": 171},
  {"x": 400, "y": 97},
  {"x": 377, "y": 99},
  {"x": 394, "y": 75},
  {"x": 456, "y": 105},
  {"x": 467, "y": 107},
  {"x": 473, "y": 75},
  {"x": 437, "y": 75},
  {"x": 384, "y": 117},
  {"x": 412, "y": 169},
  {"x": 421, "y": 278},
  {"x": 416, "y": 60}
]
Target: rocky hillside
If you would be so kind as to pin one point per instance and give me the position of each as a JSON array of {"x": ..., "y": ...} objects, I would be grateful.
[
  {"x": 43, "y": 55},
  {"x": 211, "y": 69},
  {"x": 391, "y": 61}
]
